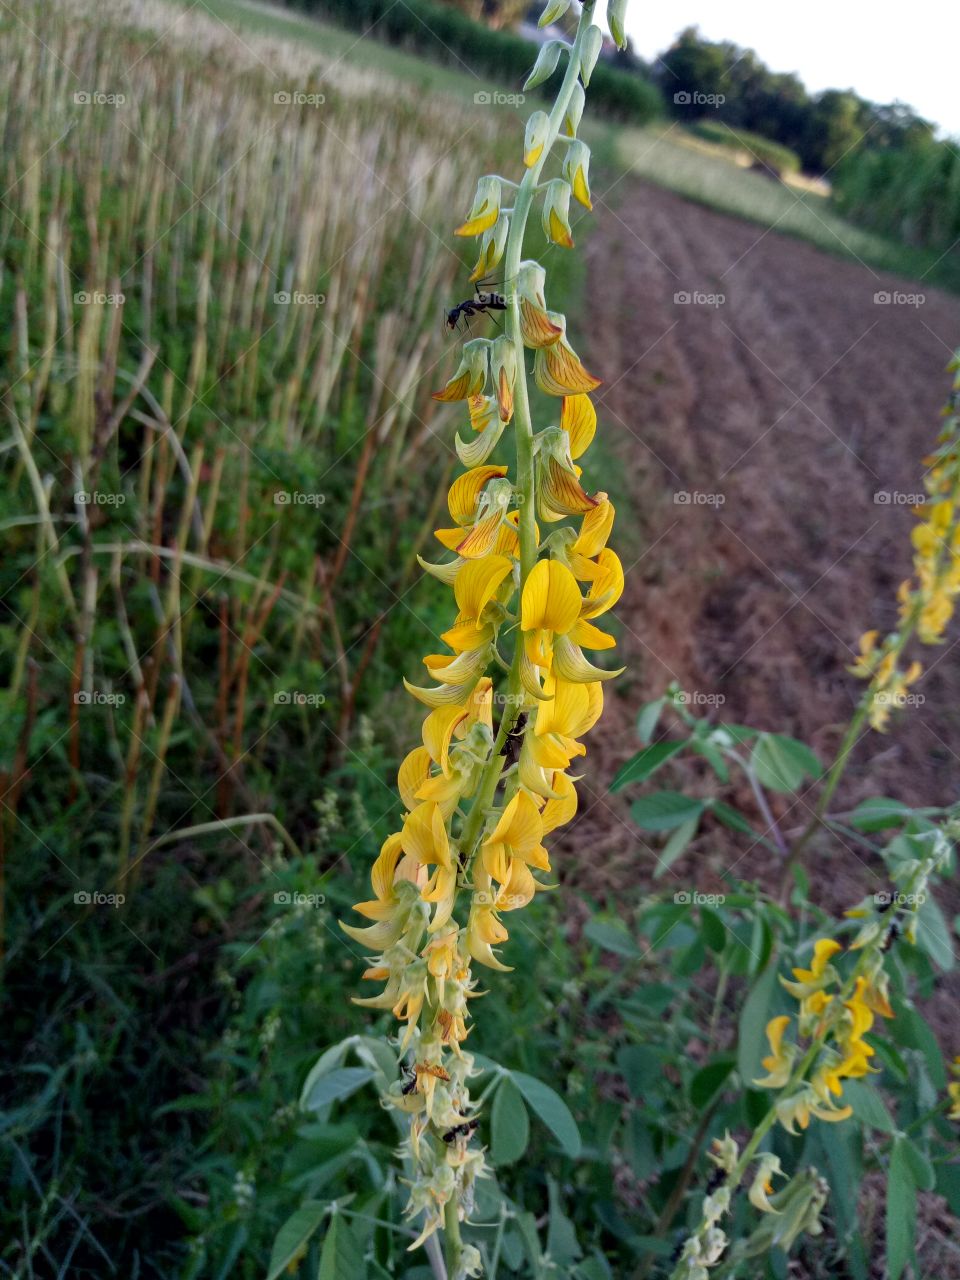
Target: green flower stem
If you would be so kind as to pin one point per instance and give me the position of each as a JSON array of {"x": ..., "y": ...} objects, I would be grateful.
[{"x": 453, "y": 1244}]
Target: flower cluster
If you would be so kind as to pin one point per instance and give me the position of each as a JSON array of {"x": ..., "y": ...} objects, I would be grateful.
[
  {"x": 808, "y": 1070},
  {"x": 512, "y": 695},
  {"x": 927, "y": 598},
  {"x": 835, "y": 1025}
]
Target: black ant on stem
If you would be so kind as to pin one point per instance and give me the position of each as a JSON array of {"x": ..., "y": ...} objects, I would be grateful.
[{"x": 482, "y": 303}]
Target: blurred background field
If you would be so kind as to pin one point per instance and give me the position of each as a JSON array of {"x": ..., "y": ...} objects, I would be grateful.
[{"x": 226, "y": 251}]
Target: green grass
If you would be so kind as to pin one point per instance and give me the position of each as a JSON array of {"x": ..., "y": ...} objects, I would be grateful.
[{"x": 346, "y": 46}]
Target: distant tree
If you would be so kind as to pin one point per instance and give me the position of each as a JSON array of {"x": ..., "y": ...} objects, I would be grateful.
[
  {"x": 835, "y": 128},
  {"x": 495, "y": 13}
]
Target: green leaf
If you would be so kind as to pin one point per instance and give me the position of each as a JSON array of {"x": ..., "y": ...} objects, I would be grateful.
[
  {"x": 648, "y": 718},
  {"x": 665, "y": 810},
  {"x": 335, "y": 1086},
  {"x": 641, "y": 1066},
  {"x": 869, "y": 1108},
  {"x": 731, "y": 818},
  {"x": 901, "y": 1212},
  {"x": 645, "y": 763},
  {"x": 933, "y": 935},
  {"x": 709, "y": 1080},
  {"x": 713, "y": 930},
  {"x": 676, "y": 845},
  {"x": 783, "y": 763},
  {"x": 878, "y": 813},
  {"x": 509, "y": 1124},
  {"x": 921, "y": 1168},
  {"x": 341, "y": 1256},
  {"x": 611, "y": 936},
  {"x": 552, "y": 1110},
  {"x": 752, "y": 1043},
  {"x": 562, "y": 1244},
  {"x": 294, "y": 1235}
]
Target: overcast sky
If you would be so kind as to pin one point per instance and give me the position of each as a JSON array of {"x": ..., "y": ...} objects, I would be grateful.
[{"x": 883, "y": 51}]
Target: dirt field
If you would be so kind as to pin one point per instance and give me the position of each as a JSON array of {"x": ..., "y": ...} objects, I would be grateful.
[{"x": 789, "y": 411}]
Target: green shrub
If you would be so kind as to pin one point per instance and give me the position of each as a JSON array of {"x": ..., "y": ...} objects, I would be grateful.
[
  {"x": 771, "y": 155},
  {"x": 912, "y": 193},
  {"x": 447, "y": 35}
]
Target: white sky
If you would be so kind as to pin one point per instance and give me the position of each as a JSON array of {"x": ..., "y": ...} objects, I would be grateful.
[{"x": 884, "y": 51}]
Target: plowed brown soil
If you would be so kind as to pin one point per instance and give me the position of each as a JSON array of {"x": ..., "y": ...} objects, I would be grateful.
[
  {"x": 807, "y": 407},
  {"x": 802, "y": 404}
]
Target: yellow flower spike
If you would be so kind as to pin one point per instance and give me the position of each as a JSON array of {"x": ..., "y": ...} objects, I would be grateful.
[
  {"x": 576, "y": 170},
  {"x": 464, "y": 493},
  {"x": 478, "y": 583},
  {"x": 578, "y": 418},
  {"x": 556, "y": 213},
  {"x": 535, "y": 137},
  {"x": 470, "y": 378},
  {"x": 558, "y": 371},
  {"x": 485, "y": 210},
  {"x": 413, "y": 773}
]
